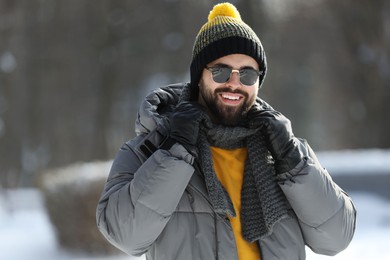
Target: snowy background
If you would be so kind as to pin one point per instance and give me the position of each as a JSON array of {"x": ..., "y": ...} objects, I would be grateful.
[{"x": 26, "y": 231}]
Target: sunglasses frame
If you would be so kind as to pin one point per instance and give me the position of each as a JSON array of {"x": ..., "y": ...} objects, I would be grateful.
[{"x": 214, "y": 69}]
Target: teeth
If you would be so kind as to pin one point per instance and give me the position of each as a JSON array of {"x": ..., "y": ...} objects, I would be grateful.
[{"x": 230, "y": 97}]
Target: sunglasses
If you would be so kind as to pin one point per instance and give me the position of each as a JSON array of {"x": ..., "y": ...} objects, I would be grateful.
[{"x": 248, "y": 76}]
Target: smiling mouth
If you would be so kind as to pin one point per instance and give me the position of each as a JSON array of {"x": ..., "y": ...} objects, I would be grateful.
[{"x": 231, "y": 98}]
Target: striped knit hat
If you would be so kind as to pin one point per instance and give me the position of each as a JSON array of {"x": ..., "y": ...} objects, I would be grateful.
[{"x": 224, "y": 34}]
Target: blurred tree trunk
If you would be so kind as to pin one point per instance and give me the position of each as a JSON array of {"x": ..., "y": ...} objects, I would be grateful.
[
  {"x": 81, "y": 68},
  {"x": 365, "y": 27},
  {"x": 73, "y": 73}
]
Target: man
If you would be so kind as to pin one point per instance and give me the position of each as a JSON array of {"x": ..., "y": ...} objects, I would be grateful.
[{"x": 215, "y": 172}]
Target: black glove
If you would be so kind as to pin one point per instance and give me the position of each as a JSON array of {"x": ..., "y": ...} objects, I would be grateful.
[
  {"x": 184, "y": 126},
  {"x": 279, "y": 137}
]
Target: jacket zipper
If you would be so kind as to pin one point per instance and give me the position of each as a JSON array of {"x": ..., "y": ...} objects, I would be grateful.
[{"x": 216, "y": 236}]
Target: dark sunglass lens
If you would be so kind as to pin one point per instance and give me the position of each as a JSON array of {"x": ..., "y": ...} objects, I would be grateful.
[
  {"x": 221, "y": 75},
  {"x": 248, "y": 77}
]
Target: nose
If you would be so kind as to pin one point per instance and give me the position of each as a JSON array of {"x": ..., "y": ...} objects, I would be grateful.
[{"x": 234, "y": 80}]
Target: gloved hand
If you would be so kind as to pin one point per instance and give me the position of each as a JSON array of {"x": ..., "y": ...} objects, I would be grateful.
[
  {"x": 184, "y": 126},
  {"x": 279, "y": 137}
]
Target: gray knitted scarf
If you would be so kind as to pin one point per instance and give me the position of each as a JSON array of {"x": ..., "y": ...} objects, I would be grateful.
[{"x": 262, "y": 201}]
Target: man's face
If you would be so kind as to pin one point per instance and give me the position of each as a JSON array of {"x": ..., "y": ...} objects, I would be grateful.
[{"x": 227, "y": 102}]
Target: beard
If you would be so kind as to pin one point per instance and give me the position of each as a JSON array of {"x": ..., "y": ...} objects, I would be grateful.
[{"x": 222, "y": 113}]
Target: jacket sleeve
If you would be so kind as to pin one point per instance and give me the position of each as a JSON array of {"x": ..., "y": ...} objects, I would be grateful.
[
  {"x": 326, "y": 213},
  {"x": 140, "y": 195}
]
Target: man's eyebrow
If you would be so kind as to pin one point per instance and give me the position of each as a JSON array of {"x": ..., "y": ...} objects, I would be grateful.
[
  {"x": 222, "y": 65},
  {"x": 248, "y": 67}
]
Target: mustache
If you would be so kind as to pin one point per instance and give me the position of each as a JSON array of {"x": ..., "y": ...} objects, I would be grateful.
[{"x": 228, "y": 90}]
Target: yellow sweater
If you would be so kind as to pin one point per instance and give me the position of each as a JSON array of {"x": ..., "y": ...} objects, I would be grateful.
[{"x": 229, "y": 168}]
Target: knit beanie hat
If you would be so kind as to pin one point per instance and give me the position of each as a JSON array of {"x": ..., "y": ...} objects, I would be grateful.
[{"x": 224, "y": 34}]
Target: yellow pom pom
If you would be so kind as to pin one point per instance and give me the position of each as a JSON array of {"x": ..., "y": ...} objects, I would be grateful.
[{"x": 224, "y": 9}]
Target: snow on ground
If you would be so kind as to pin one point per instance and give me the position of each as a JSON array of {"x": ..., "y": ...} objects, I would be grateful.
[
  {"x": 26, "y": 233},
  {"x": 25, "y": 229},
  {"x": 356, "y": 161}
]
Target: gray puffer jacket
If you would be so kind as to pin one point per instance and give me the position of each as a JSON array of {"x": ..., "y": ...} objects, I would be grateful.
[{"x": 155, "y": 203}]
